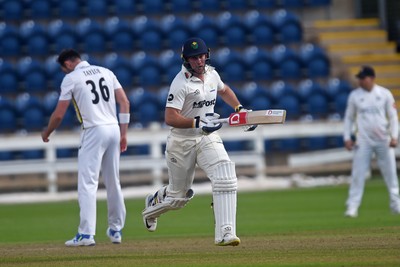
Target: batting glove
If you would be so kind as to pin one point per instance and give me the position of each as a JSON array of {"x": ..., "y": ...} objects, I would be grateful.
[
  {"x": 246, "y": 128},
  {"x": 206, "y": 123}
]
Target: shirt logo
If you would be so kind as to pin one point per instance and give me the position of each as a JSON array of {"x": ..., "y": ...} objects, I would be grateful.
[
  {"x": 203, "y": 103},
  {"x": 170, "y": 97}
]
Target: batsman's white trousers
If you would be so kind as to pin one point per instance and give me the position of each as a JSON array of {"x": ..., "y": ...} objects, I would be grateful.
[
  {"x": 361, "y": 165},
  {"x": 182, "y": 155},
  {"x": 100, "y": 151}
]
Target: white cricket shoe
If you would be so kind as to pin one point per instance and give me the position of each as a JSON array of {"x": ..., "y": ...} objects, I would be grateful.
[
  {"x": 149, "y": 223},
  {"x": 351, "y": 212},
  {"x": 229, "y": 240},
  {"x": 115, "y": 236},
  {"x": 81, "y": 240}
]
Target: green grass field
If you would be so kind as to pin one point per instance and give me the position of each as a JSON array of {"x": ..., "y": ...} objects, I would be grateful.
[{"x": 296, "y": 227}]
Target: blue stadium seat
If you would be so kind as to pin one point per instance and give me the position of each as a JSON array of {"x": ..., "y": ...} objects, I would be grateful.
[
  {"x": 8, "y": 78},
  {"x": 171, "y": 64},
  {"x": 223, "y": 109},
  {"x": 315, "y": 60},
  {"x": 259, "y": 63},
  {"x": 230, "y": 64},
  {"x": 40, "y": 9},
  {"x": 91, "y": 35},
  {"x": 205, "y": 28},
  {"x": 70, "y": 120},
  {"x": 35, "y": 38},
  {"x": 32, "y": 74},
  {"x": 318, "y": 3},
  {"x": 261, "y": 28},
  {"x": 65, "y": 153},
  {"x": 121, "y": 68},
  {"x": 10, "y": 41},
  {"x": 251, "y": 91},
  {"x": 12, "y": 10},
  {"x": 280, "y": 88},
  {"x": 32, "y": 154},
  {"x": 232, "y": 29},
  {"x": 144, "y": 106},
  {"x": 336, "y": 86},
  {"x": 7, "y": 155},
  {"x": 287, "y": 61},
  {"x": 288, "y": 4},
  {"x": 8, "y": 116},
  {"x": 182, "y": 6},
  {"x": 125, "y": 7},
  {"x": 235, "y": 5},
  {"x": 71, "y": 9},
  {"x": 154, "y": 7},
  {"x": 175, "y": 30},
  {"x": 146, "y": 69},
  {"x": 97, "y": 8},
  {"x": 26, "y": 101},
  {"x": 206, "y": 6},
  {"x": 30, "y": 111},
  {"x": 265, "y": 4},
  {"x": 306, "y": 88},
  {"x": 317, "y": 106},
  {"x": 62, "y": 35},
  {"x": 49, "y": 102},
  {"x": 340, "y": 103},
  {"x": 120, "y": 34},
  {"x": 316, "y": 143},
  {"x": 149, "y": 34},
  {"x": 288, "y": 25},
  {"x": 53, "y": 72}
]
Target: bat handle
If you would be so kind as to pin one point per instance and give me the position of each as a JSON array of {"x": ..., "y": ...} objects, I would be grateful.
[{"x": 224, "y": 120}]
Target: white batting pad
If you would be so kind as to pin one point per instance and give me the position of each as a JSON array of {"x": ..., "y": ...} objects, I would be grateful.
[
  {"x": 224, "y": 198},
  {"x": 167, "y": 204}
]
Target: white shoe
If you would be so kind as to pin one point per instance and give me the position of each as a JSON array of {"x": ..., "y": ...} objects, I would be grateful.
[
  {"x": 115, "y": 236},
  {"x": 229, "y": 240},
  {"x": 81, "y": 240},
  {"x": 149, "y": 223},
  {"x": 351, "y": 212}
]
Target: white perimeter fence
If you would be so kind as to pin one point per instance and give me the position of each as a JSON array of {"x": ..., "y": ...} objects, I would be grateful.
[{"x": 155, "y": 137}]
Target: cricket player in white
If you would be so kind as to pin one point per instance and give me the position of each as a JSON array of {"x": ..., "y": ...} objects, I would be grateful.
[
  {"x": 372, "y": 108},
  {"x": 193, "y": 140},
  {"x": 94, "y": 92}
]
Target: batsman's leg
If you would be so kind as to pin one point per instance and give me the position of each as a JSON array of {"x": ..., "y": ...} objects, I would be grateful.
[{"x": 224, "y": 185}]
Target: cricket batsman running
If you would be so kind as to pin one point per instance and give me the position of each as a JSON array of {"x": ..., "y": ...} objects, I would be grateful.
[{"x": 193, "y": 140}]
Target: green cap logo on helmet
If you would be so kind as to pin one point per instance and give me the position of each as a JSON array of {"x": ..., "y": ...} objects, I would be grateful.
[{"x": 195, "y": 45}]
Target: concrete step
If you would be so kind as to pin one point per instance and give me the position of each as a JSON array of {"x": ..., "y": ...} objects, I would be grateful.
[
  {"x": 372, "y": 59},
  {"x": 388, "y": 82},
  {"x": 345, "y": 24},
  {"x": 383, "y": 71},
  {"x": 346, "y": 49},
  {"x": 346, "y": 37}
]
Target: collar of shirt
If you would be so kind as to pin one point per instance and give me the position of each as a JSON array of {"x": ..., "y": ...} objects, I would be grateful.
[
  {"x": 82, "y": 64},
  {"x": 189, "y": 75}
]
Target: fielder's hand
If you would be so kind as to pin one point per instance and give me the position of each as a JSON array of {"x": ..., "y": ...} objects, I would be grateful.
[
  {"x": 206, "y": 123},
  {"x": 246, "y": 128}
]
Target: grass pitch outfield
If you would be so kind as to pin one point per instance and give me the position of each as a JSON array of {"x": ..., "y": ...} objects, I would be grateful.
[{"x": 296, "y": 227}]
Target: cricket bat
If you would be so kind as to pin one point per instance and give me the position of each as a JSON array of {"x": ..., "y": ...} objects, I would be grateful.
[{"x": 269, "y": 116}]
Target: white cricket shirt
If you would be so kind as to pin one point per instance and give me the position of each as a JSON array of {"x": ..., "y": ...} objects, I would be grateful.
[
  {"x": 92, "y": 88},
  {"x": 193, "y": 97},
  {"x": 374, "y": 113}
]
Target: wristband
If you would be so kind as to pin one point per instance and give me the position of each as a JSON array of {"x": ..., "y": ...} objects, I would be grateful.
[
  {"x": 238, "y": 108},
  {"x": 124, "y": 118}
]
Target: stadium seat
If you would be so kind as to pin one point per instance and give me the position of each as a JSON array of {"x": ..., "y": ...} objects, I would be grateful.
[
  {"x": 7, "y": 155},
  {"x": 62, "y": 35},
  {"x": 8, "y": 116},
  {"x": 175, "y": 30},
  {"x": 97, "y": 8},
  {"x": 265, "y": 4},
  {"x": 280, "y": 88},
  {"x": 10, "y": 41},
  {"x": 289, "y": 4},
  {"x": 146, "y": 69},
  {"x": 340, "y": 103},
  {"x": 40, "y": 9},
  {"x": 317, "y": 106},
  {"x": 318, "y": 3},
  {"x": 53, "y": 72},
  {"x": 233, "y": 31},
  {"x": 144, "y": 106},
  {"x": 12, "y": 10},
  {"x": 149, "y": 34},
  {"x": 206, "y": 6},
  {"x": 26, "y": 101},
  {"x": 91, "y": 35},
  {"x": 70, "y": 120},
  {"x": 120, "y": 34},
  {"x": 251, "y": 91},
  {"x": 205, "y": 28},
  {"x": 230, "y": 64},
  {"x": 32, "y": 74},
  {"x": 182, "y": 6},
  {"x": 71, "y": 9},
  {"x": 288, "y": 26},
  {"x": 316, "y": 143},
  {"x": 30, "y": 111},
  {"x": 171, "y": 64},
  {"x": 121, "y": 68},
  {"x": 287, "y": 62},
  {"x": 49, "y": 102},
  {"x": 8, "y": 78},
  {"x": 308, "y": 87},
  {"x": 259, "y": 63},
  {"x": 65, "y": 153},
  {"x": 35, "y": 38},
  {"x": 125, "y": 7},
  {"x": 154, "y": 7},
  {"x": 315, "y": 61},
  {"x": 236, "y": 5},
  {"x": 260, "y": 27},
  {"x": 335, "y": 86},
  {"x": 222, "y": 108}
]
